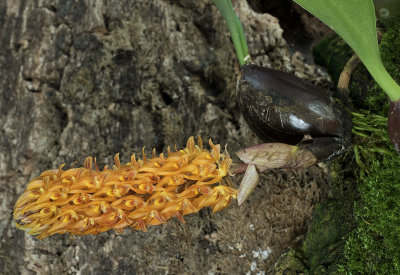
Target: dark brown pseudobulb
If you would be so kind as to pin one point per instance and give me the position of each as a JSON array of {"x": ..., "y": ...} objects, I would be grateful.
[
  {"x": 394, "y": 124},
  {"x": 280, "y": 107}
]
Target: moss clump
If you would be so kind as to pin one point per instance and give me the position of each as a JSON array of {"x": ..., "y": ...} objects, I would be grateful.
[
  {"x": 374, "y": 246},
  {"x": 288, "y": 263},
  {"x": 333, "y": 53},
  {"x": 324, "y": 244}
]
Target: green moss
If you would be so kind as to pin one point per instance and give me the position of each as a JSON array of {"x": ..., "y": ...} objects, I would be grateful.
[
  {"x": 366, "y": 239},
  {"x": 324, "y": 244},
  {"x": 374, "y": 246},
  {"x": 289, "y": 263},
  {"x": 333, "y": 53}
]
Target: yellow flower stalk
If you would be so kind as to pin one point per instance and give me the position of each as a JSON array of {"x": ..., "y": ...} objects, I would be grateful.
[{"x": 139, "y": 194}]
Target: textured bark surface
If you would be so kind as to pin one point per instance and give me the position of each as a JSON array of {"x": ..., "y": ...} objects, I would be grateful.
[{"x": 85, "y": 77}]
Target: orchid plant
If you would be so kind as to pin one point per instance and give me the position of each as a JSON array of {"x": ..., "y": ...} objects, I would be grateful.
[{"x": 355, "y": 22}]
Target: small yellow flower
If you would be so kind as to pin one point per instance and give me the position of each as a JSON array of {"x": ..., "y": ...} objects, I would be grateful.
[{"x": 141, "y": 193}]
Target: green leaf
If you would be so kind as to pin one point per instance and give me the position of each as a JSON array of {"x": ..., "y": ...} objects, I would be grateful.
[
  {"x": 355, "y": 22},
  {"x": 235, "y": 28}
]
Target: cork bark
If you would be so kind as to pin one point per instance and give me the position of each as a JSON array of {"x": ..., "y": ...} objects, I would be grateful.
[{"x": 95, "y": 78}]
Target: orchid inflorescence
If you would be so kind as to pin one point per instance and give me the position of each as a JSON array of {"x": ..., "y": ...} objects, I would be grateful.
[{"x": 139, "y": 194}]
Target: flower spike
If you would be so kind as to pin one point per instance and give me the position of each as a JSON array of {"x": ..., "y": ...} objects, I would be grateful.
[{"x": 138, "y": 194}]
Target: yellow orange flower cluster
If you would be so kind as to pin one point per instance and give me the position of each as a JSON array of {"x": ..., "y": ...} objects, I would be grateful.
[{"x": 138, "y": 194}]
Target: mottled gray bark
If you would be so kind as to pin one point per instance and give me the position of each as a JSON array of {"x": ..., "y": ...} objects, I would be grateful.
[{"x": 86, "y": 77}]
